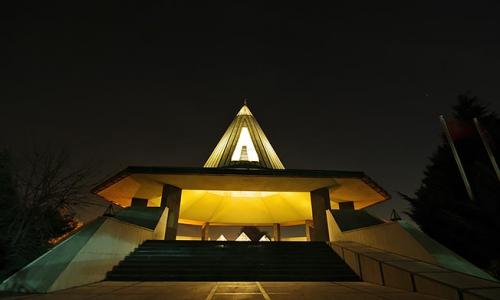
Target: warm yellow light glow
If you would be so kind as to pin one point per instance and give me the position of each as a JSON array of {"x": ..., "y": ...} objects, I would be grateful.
[
  {"x": 264, "y": 238},
  {"x": 243, "y": 238},
  {"x": 246, "y": 130},
  {"x": 242, "y": 194},
  {"x": 221, "y": 238},
  {"x": 242, "y": 199},
  {"x": 244, "y": 111},
  {"x": 56, "y": 240},
  {"x": 245, "y": 149},
  {"x": 238, "y": 207}
]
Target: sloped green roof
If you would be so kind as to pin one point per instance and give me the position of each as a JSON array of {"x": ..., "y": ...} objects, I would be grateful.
[
  {"x": 39, "y": 275},
  {"x": 146, "y": 217},
  {"x": 443, "y": 255},
  {"x": 348, "y": 219}
]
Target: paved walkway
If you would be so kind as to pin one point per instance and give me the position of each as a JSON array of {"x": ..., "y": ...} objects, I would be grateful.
[{"x": 113, "y": 290}]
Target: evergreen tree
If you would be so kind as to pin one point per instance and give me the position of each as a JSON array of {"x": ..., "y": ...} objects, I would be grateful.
[{"x": 441, "y": 206}]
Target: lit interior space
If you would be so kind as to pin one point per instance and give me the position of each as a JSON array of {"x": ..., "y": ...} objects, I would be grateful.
[
  {"x": 255, "y": 197},
  {"x": 244, "y": 207}
]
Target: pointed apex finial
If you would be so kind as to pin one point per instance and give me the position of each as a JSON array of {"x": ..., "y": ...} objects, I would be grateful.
[
  {"x": 245, "y": 101},
  {"x": 244, "y": 109}
]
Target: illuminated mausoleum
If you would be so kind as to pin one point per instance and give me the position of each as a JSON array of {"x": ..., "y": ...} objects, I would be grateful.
[{"x": 244, "y": 184}]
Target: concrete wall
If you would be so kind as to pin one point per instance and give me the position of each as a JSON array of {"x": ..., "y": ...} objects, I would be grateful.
[
  {"x": 387, "y": 236},
  {"x": 108, "y": 246},
  {"x": 401, "y": 272},
  {"x": 39, "y": 275},
  {"x": 161, "y": 227},
  {"x": 404, "y": 239},
  {"x": 83, "y": 258}
]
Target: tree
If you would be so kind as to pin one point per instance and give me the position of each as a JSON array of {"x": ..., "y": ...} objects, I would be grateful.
[
  {"x": 37, "y": 194},
  {"x": 441, "y": 206}
]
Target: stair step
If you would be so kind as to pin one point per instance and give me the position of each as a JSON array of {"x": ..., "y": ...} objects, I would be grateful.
[
  {"x": 232, "y": 261},
  {"x": 231, "y": 277},
  {"x": 230, "y": 267},
  {"x": 168, "y": 263},
  {"x": 250, "y": 258}
]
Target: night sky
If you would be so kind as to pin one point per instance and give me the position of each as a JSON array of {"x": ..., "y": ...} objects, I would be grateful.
[{"x": 344, "y": 87}]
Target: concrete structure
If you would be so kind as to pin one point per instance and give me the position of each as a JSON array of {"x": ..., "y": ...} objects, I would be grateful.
[
  {"x": 396, "y": 237},
  {"x": 384, "y": 268},
  {"x": 87, "y": 255},
  {"x": 244, "y": 183}
]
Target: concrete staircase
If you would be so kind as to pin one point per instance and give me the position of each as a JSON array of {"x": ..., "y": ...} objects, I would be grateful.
[{"x": 156, "y": 260}]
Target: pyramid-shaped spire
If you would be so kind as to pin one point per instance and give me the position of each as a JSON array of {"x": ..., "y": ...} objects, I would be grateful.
[{"x": 244, "y": 144}]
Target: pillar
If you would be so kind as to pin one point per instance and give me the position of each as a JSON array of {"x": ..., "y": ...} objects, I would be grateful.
[
  {"x": 276, "y": 232},
  {"x": 204, "y": 232},
  {"x": 320, "y": 202},
  {"x": 309, "y": 229},
  {"x": 171, "y": 198}
]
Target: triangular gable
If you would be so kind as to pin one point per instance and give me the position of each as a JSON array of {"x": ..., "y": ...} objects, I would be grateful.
[
  {"x": 243, "y": 238},
  {"x": 264, "y": 238},
  {"x": 244, "y": 142},
  {"x": 221, "y": 238}
]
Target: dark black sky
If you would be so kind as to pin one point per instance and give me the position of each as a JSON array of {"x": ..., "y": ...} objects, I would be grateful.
[{"x": 347, "y": 87}]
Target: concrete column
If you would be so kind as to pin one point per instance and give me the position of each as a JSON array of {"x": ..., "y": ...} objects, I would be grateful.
[
  {"x": 204, "y": 231},
  {"x": 309, "y": 229},
  {"x": 320, "y": 202},
  {"x": 171, "y": 198},
  {"x": 276, "y": 232}
]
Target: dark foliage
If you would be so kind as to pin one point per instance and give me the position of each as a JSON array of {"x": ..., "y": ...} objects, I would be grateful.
[
  {"x": 37, "y": 192},
  {"x": 441, "y": 206}
]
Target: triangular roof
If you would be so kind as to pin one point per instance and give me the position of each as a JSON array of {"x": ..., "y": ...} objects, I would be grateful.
[
  {"x": 264, "y": 238},
  {"x": 244, "y": 144},
  {"x": 221, "y": 238},
  {"x": 243, "y": 237}
]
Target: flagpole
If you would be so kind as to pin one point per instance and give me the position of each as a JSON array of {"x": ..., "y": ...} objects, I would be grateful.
[
  {"x": 488, "y": 148},
  {"x": 457, "y": 158}
]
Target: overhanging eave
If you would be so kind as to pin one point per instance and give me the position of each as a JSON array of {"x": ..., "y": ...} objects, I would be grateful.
[{"x": 146, "y": 182}]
